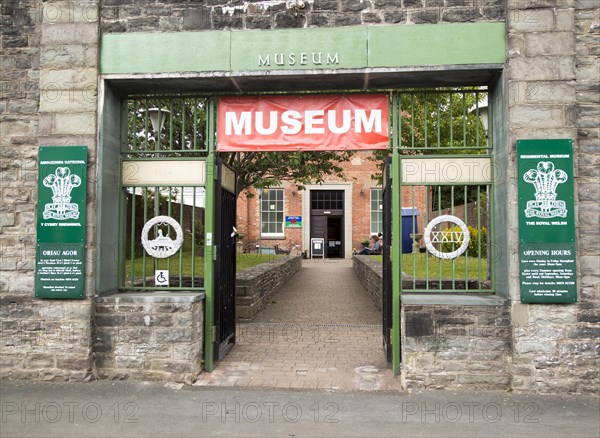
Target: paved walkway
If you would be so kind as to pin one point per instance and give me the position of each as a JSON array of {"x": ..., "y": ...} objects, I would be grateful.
[{"x": 321, "y": 331}]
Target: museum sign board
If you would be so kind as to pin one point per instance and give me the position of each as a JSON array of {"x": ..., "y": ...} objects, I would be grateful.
[
  {"x": 547, "y": 251},
  {"x": 61, "y": 212},
  {"x": 307, "y": 122}
]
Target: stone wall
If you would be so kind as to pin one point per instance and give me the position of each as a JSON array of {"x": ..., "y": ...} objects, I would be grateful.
[
  {"x": 47, "y": 97},
  {"x": 552, "y": 81},
  {"x": 44, "y": 339},
  {"x": 255, "y": 286},
  {"x": 587, "y": 102},
  {"x": 370, "y": 274},
  {"x": 19, "y": 96},
  {"x": 177, "y": 15},
  {"x": 456, "y": 346},
  {"x": 149, "y": 336}
]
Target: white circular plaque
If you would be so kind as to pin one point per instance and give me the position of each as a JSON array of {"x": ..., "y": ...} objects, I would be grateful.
[
  {"x": 161, "y": 246},
  {"x": 430, "y": 236}
]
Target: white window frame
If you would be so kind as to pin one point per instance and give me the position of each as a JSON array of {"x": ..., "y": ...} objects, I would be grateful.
[
  {"x": 267, "y": 193},
  {"x": 379, "y": 210}
]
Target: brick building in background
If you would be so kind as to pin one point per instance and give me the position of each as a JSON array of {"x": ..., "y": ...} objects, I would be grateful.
[{"x": 352, "y": 211}]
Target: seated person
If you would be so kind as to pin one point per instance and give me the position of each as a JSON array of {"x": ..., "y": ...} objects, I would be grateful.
[{"x": 373, "y": 248}]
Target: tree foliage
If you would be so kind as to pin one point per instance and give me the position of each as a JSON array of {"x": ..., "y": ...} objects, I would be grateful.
[
  {"x": 269, "y": 169},
  {"x": 184, "y": 130},
  {"x": 439, "y": 122}
]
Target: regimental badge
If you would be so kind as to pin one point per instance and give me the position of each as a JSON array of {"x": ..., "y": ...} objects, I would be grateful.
[
  {"x": 61, "y": 182},
  {"x": 545, "y": 179},
  {"x": 162, "y": 246}
]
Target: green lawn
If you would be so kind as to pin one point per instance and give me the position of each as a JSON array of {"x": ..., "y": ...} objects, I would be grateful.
[{"x": 417, "y": 265}]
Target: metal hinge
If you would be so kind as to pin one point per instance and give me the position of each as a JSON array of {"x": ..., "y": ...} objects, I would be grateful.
[{"x": 214, "y": 332}]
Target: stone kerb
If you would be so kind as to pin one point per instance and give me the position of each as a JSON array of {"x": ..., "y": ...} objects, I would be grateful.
[
  {"x": 370, "y": 274},
  {"x": 255, "y": 286}
]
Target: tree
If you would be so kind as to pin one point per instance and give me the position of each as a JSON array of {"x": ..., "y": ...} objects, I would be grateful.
[
  {"x": 439, "y": 121},
  {"x": 269, "y": 169}
]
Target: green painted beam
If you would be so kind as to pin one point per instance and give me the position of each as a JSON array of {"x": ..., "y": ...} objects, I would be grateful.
[
  {"x": 165, "y": 52},
  {"x": 352, "y": 47},
  {"x": 437, "y": 44}
]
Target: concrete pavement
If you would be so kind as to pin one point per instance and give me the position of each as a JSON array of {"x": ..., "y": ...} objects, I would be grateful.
[{"x": 128, "y": 409}]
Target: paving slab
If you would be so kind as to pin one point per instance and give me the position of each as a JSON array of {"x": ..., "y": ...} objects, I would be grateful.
[{"x": 320, "y": 331}]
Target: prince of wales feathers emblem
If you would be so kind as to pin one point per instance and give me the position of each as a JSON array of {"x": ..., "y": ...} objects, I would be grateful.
[
  {"x": 61, "y": 182},
  {"x": 545, "y": 179}
]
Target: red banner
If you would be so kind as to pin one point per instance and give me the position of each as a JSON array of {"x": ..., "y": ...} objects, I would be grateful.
[{"x": 303, "y": 122}]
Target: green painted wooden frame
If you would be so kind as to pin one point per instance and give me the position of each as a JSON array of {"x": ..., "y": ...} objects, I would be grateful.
[
  {"x": 209, "y": 229},
  {"x": 352, "y": 47}
]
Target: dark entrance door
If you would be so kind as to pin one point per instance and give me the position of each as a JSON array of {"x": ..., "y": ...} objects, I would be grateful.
[
  {"x": 224, "y": 267},
  {"x": 318, "y": 227},
  {"x": 327, "y": 220},
  {"x": 335, "y": 237}
]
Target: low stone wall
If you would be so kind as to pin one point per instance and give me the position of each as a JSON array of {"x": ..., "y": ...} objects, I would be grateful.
[
  {"x": 255, "y": 286},
  {"x": 456, "y": 346},
  {"x": 370, "y": 274},
  {"x": 149, "y": 336},
  {"x": 451, "y": 341}
]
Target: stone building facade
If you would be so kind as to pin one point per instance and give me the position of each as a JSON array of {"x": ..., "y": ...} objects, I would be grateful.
[{"x": 52, "y": 93}]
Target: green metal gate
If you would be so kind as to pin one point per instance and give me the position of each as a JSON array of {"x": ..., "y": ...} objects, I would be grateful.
[
  {"x": 163, "y": 196},
  {"x": 387, "y": 300},
  {"x": 442, "y": 173},
  {"x": 168, "y": 203},
  {"x": 224, "y": 333}
]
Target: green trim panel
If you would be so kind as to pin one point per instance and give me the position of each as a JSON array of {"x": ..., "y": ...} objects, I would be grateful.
[
  {"x": 165, "y": 52},
  {"x": 353, "y": 47},
  {"x": 437, "y": 44}
]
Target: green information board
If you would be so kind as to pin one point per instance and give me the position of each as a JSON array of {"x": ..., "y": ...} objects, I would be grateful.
[
  {"x": 60, "y": 252},
  {"x": 547, "y": 256}
]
